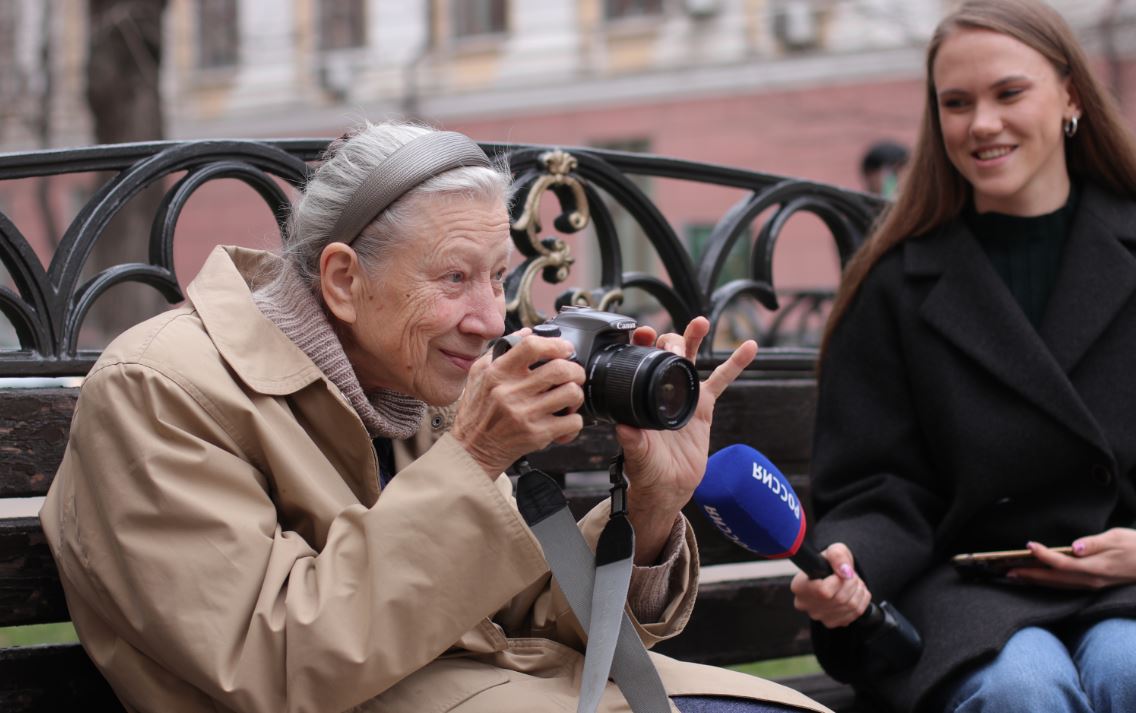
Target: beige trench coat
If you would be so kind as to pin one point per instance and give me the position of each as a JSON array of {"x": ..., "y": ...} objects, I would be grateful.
[{"x": 223, "y": 544}]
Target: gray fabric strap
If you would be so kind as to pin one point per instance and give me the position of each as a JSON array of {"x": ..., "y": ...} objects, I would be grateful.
[
  {"x": 614, "y": 556},
  {"x": 573, "y": 565},
  {"x": 411, "y": 164}
]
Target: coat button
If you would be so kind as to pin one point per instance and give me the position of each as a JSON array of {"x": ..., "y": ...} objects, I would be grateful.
[{"x": 1101, "y": 474}]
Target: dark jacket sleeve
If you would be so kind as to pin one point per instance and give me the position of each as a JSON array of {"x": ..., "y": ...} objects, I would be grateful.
[{"x": 874, "y": 486}]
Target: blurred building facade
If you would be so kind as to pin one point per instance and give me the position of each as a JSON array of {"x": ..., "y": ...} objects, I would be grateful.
[{"x": 793, "y": 87}]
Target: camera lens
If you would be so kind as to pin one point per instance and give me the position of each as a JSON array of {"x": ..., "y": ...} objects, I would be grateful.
[
  {"x": 672, "y": 390},
  {"x": 641, "y": 386}
]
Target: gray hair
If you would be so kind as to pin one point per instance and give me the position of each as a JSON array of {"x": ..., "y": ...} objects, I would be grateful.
[{"x": 345, "y": 165}]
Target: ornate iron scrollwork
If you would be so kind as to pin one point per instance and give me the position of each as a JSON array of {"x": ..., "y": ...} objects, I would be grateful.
[
  {"x": 691, "y": 289},
  {"x": 550, "y": 257},
  {"x": 48, "y": 305}
]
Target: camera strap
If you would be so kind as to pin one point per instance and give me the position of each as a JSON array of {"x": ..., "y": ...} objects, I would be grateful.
[
  {"x": 615, "y": 552},
  {"x": 596, "y": 589}
]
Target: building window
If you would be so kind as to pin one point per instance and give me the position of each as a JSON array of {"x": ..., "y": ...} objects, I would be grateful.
[
  {"x": 478, "y": 17},
  {"x": 743, "y": 318},
  {"x": 620, "y": 9},
  {"x": 218, "y": 33},
  {"x": 342, "y": 24},
  {"x": 636, "y": 250},
  {"x": 737, "y": 262},
  {"x": 795, "y": 24}
]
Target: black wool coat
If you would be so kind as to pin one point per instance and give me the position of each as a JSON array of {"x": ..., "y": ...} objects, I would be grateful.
[{"x": 947, "y": 423}]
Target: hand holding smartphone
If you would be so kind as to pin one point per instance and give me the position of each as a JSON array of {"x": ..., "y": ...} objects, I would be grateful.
[{"x": 995, "y": 565}]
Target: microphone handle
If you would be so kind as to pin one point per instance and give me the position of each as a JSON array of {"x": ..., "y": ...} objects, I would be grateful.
[
  {"x": 891, "y": 642},
  {"x": 810, "y": 561}
]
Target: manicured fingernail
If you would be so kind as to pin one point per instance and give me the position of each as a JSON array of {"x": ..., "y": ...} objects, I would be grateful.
[
  {"x": 1078, "y": 548},
  {"x": 846, "y": 571},
  {"x": 1031, "y": 545}
]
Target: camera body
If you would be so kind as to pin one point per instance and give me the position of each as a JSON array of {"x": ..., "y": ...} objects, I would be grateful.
[
  {"x": 639, "y": 386},
  {"x": 589, "y": 330}
]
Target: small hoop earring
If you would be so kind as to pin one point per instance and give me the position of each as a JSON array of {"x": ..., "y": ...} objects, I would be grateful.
[{"x": 1071, "y": 126}]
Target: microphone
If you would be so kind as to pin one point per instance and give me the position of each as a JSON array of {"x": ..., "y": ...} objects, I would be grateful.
[{"x": 752, "y": 504}]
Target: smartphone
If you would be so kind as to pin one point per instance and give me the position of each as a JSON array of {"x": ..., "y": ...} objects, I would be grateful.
[{"x": 996, "y": 564}]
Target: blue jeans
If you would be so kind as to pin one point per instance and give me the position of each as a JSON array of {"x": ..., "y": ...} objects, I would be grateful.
[{"x": 1089, "y": 671}]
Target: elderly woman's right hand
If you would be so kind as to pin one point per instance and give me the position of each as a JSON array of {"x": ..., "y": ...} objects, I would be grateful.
[
  {"x": 508, "y": 410},
  {"x": 836, "y": 600}
]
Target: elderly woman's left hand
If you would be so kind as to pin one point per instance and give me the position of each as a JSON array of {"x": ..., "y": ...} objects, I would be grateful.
[{"x": 664, "y": 467}]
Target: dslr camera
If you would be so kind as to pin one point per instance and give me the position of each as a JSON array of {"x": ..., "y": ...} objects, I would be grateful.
[{"x": 643, "y": 387}]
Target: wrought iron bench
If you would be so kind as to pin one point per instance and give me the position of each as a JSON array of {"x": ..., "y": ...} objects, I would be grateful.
[{"x": 770, "y": 407}]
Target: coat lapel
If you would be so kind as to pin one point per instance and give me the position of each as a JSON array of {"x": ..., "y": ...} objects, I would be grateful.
[
  {"x": 1097, "y": 277},
  {"x": 973, "y": 309}
]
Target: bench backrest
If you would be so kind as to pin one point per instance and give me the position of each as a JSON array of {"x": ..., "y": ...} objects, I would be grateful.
[{"x": 770, "y": 407}]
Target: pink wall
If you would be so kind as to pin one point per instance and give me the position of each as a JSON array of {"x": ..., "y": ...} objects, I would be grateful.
[
  {"x": 220, "y": 212},
  {"x": 817, "y": 133}
]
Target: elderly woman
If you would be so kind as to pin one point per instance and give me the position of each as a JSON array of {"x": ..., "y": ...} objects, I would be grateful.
[{"x": 227, "y": 522}]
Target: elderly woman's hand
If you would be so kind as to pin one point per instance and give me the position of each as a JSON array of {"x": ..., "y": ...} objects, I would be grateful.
[
  {"x": 1098, "y": 561},
  {"x": 664, "y": 467},
  {"x": 508, "y": 409}
]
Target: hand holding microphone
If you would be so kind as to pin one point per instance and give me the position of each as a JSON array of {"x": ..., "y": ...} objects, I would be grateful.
[
  {"x": 834, "y": 601},
  {"x": 751, "y": 503}
]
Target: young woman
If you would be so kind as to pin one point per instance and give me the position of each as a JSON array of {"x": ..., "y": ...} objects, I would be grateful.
[{"x": 976, "y": 390}]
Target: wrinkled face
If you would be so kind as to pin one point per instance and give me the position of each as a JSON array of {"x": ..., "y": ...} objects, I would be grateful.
[
  {"x": 1002, "y": 106},
  {"x": 433, "y": 305}
]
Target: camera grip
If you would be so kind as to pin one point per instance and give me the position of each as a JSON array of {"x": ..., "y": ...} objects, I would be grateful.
[{"x": 503, "y": 344}]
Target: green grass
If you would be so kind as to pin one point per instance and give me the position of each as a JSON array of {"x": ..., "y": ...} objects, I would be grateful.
[
  {"x": 781, "y": 668},
  {"x": 61, "y": 633},
  {"x": 64, "y": 632}
]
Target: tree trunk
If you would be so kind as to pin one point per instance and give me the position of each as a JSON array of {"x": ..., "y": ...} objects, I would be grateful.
[
  {"x": 1110, "y": 23},
  {"x": 123, "y": 74},
  {"x": 43, "y": 124}
]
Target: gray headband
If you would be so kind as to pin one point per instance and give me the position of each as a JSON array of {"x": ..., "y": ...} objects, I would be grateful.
[{"x": 408, "y": 166}]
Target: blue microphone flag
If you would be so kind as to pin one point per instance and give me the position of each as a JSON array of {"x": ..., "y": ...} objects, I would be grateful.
[{"x": 751, "y": 502}]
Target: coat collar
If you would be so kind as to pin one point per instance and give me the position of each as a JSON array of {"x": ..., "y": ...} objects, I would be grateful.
[
  {"x": 244, "y": 336},
  {"x": 1097, "y": 277},
  {"x": 974, "y": 310}
]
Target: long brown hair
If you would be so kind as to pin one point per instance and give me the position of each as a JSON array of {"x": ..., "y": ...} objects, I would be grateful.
[{"x": 933, "y": 192}]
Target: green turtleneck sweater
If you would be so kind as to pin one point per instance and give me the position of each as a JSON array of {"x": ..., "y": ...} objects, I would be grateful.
[{"x": 1025, "y": 251}]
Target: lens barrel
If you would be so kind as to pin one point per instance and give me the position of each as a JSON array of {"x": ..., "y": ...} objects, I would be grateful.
[{"x": 641, "y": 386}]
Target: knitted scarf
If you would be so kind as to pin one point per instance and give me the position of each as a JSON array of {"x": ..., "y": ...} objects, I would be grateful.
[{"x": 292, "y": 307}]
